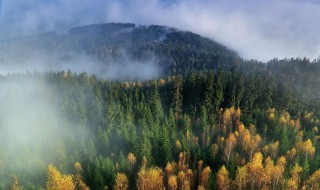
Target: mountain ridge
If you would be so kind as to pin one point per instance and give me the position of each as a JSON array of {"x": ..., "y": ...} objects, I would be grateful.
[{"x": 176, "y": 51}]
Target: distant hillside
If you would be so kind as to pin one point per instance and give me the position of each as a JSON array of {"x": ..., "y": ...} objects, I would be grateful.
[
  {"x": 171, "y": 51},
  {"x": 154, "y": 108},
  {"x": 174, "y": 50}
]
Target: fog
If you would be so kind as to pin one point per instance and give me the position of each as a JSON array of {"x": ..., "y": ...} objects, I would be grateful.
[
  {"x": 256, "y": 29},
  {"x": 33, "y": 129},
  {"x": 35, "y": 60}
]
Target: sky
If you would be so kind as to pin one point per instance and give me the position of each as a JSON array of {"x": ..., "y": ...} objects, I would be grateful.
[{"x": 255, "y": 29}]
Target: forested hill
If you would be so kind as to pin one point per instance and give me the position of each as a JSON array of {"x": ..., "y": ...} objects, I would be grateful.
[
  {"x": 174, "y": 50},
  {"x": 209, "y": 120},
  {"x": 177, "y": 51},
  {"x": 167, "y": 51}
]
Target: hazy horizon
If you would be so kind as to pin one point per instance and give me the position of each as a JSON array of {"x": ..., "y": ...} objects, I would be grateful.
[{"x": 256, "y": 30}]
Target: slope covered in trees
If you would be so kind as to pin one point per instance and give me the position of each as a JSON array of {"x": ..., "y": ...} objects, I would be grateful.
[
  {"x": 173, "y": 50},
  {"x": 211, "y": 121},
  {"x": 201, "y": 130},
  {"x": 169, "y": 50}
]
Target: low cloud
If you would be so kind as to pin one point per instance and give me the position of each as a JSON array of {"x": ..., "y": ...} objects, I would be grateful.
[
  {"x": 31, "y": 125},
  {"x": 256, "y": 29},
  {"x": 22, "y": 60}
]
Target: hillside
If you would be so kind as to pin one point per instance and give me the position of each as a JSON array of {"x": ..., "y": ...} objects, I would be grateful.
[
  {"x": 175, "y": 51},
  {"x": 129, "y": 52},
  {"x": 203, "y": 119}
]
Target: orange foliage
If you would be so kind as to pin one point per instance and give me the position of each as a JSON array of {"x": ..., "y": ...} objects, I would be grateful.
[
  {"x": 313, "y": 181},
  {"x": 150, "y": 179},
  {"x": 183, "y": 180},
  {"x": 278, "y": 172},
  {"x": 307, "y": 116},
  {"x": 214, "y": 150},
  {"x": 170, "y": 168},
  {"x": 78, "y": 167},
  {"x": 162, "y": 82},
  {"x": 292, "y": 185},
  {"x": 173, "y": 182},
  {"x": 290, "y": 154},
  {"x": 178, "y": 145},
  {"x": 223, "y": 180},
  {"x": 131, "y": 159},
  {"x": 294, "y": 181},
  {"x": 271, "y": 113},
  {"x": 248, "y": 140},
  {"x": 57, "y": 181},
  {"x": 121, "y": 182},
  {"x": 237, "y": 114},
  {"x": 78, "y": 178},
  {"x": 241, "y": 177},
  {"x": 315, "y": 130},
  {"x": 273, "y": 149},
  {"x": 255, "y": 170},
  {"x": 306, "y": 148},
  {"x": 204, "y": 177},
  {"x": 229, "y": 146}
]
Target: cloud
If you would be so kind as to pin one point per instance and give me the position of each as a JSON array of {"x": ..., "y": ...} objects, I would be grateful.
[
  {"x": 42, "y": 15},
  {"x": 30, "y": 128},
  {"x": 20, "y": 59},
  {"x": 256, "y": 29}
]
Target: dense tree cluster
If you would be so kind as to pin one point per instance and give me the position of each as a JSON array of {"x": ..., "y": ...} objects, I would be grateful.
[
  {"x": 215, "y": 121},
  {"x": 216, "y": 129}
]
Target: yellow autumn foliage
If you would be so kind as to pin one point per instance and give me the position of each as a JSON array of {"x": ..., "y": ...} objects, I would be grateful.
[
  {"x": 173, "y": 182},
  {"x": 150, "y": 179},
  {"x": 121, "y": 182},
  {"x": 58, "y": 181},
  {"x": 223, "y": 180}
]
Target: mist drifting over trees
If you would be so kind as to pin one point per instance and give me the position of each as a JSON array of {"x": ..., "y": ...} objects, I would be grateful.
[{"x": 130, "y": 106}]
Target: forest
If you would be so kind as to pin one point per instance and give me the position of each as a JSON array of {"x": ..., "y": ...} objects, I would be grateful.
[{"x": 211, "y": 120}]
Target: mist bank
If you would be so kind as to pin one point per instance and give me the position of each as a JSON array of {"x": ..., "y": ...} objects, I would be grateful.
[
  {"x": 76, "y": 62},
  {"x": 35, "y": 129},
  {"x": 126, "y": 51},
  {"x": 122, "y": 118},
  {"x": 109, "y": 51},
  {"x": 259, "y": 30},
  {"x": 62, "y": 118},
  {"x": 115, "y": 51}
]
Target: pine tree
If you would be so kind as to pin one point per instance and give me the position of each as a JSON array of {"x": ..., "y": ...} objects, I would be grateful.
[
  {"x": 166, "y": 144},
  {"x": 177, "y": 97},
  {"x": 219, "y": 90},
  {"x": 284, "y": 142},
  {"x": 209, "y": 92}
]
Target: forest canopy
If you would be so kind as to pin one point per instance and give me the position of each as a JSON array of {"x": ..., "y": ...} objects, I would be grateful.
[{"x": 208, "y": 120}]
